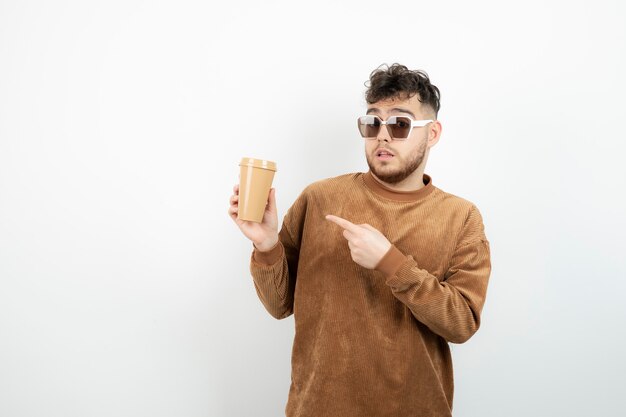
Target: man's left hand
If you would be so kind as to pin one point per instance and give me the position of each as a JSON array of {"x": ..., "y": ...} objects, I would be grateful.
[{"x": 367, "y": 245}]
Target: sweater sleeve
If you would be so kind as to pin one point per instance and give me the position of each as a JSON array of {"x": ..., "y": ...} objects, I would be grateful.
[
  {"x": 450, "y": 308},
  {"x": 274, "y": 271}
]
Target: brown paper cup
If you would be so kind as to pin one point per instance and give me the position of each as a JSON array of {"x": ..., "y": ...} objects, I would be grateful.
[{"x": 255, "y": 181}]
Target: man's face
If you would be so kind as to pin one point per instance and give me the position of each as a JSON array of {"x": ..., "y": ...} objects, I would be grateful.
[{"x": 406, "y": 155}]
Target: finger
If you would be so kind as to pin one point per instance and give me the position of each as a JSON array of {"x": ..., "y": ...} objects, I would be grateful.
[
  {"x": 236, "y": 189},
  {"x": 369, "y": 227},
  {"x": 234, "y": 199},
  {"x": 343, "y": 223},
  {"x": 235, "y": 216},
  {"x": 348, "y": 235}
]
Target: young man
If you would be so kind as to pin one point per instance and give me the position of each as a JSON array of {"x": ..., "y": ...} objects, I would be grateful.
[{"x": 380, "y": 269}]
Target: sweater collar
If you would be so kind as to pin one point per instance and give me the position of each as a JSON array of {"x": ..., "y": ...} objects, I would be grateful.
[{"x": 384, "y": 191}]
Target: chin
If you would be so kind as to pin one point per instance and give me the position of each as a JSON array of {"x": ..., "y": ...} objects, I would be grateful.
[
  {"x": 391, "y": 174},
  {"x": 388, "y": 174}
]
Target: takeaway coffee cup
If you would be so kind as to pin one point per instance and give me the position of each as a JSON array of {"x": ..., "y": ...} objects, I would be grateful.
[{"x": 255, "y": 181}]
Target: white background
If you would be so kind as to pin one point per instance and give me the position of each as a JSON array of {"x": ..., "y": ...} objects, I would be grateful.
[{"x": 124, "y": 285}]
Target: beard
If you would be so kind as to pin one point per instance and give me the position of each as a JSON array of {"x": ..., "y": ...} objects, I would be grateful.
[{"x": 407, "y": 166}]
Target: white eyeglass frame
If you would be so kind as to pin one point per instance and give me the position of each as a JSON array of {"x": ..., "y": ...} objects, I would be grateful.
[{"x": 414, "y": 123}]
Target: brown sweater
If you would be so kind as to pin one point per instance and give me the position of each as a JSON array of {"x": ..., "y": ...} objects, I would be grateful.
[{"x": 375, "y": 342}]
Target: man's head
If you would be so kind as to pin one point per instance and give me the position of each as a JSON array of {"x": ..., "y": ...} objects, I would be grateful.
[{"x": 398, "y": 91}]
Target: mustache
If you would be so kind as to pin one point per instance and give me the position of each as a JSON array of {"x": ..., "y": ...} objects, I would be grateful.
[{"x": 383, "y": 148}]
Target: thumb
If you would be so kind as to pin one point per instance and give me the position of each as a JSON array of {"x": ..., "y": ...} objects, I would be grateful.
[{"x": 272, "y": 200}]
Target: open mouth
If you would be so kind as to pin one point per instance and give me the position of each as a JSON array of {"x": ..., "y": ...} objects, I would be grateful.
[{"x": 383, "y": 155}]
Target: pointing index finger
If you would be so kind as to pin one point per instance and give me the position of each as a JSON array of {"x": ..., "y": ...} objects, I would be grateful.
[{"x": 343, "y": 223}]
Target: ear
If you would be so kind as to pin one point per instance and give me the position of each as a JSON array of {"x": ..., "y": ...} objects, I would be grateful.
[{"x": 434, "y": 133}]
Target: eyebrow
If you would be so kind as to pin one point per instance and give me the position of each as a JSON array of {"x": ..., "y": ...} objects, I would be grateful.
[{"x": 395, "y": 109}]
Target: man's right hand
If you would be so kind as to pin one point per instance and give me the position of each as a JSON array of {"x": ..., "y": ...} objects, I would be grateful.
[{"x": 263, "y": 235}]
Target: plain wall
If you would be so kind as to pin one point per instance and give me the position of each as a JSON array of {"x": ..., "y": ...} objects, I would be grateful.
[{"x": 125, "y": 287}]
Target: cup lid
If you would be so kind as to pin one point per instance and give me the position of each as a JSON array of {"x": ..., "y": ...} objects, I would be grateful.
[{"x": 258, "y": 163}]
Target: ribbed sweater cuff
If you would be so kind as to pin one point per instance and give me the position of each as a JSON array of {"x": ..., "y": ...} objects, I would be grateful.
[
  {"x": 269, "y": 257},
  {"x": 391, "y": 262}
]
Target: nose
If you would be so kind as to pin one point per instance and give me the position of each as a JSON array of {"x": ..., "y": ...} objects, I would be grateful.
[{"x": 383, "y": 134}]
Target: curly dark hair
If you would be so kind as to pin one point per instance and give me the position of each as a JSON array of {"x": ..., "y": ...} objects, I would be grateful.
[{"x": 397, "y": 81}]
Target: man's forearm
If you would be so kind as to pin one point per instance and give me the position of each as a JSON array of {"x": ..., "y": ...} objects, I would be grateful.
[{"x": 270, "y": 272}]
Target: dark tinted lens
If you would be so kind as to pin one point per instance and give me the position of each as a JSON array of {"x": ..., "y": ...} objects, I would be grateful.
[
  {"x": 400, "y": 126},
  {"x": 369, "y": 126}
]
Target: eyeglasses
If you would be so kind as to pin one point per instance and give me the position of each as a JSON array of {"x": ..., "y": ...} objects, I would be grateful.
[{"x": 399, "y": 127}]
